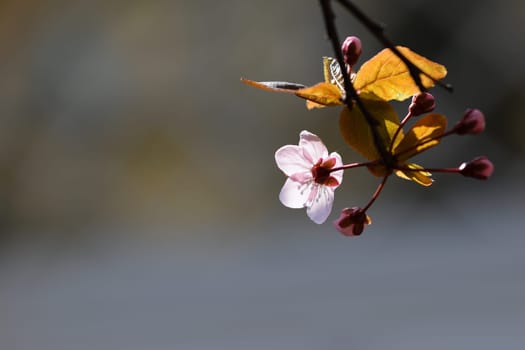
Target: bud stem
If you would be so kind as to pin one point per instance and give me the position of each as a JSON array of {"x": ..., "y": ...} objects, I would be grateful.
[
  {"x": 352, "y": 165},
  {"x": 399, "y": 128},
  {"x": 376, "y": 193},
  {"x": 431, "y": 170}
]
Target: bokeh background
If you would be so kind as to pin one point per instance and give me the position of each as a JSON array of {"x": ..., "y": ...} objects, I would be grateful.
[{"x": 138, "y": 191}]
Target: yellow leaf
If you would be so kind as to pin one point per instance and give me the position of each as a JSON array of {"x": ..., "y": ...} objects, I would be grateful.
[
  {"x": 418, "y": 176},
  {"x": 387, "y": 78},
  {"x": 421, "y": 136},
  {"x": 356, "y": 131},
  {"x": 312, "y": 105},
  {"x": 322, "y": 94}
]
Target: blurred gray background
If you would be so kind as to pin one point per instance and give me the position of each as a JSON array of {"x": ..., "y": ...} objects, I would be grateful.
[{"x": 138, "y": 191}]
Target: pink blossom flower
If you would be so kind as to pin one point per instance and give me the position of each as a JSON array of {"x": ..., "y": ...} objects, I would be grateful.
[{"x": 311, "y": 182}]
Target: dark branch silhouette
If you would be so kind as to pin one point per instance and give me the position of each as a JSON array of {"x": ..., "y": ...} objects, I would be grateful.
[
  {"x": 378, "y": 31},
  {"x": 350, "y": 92}
]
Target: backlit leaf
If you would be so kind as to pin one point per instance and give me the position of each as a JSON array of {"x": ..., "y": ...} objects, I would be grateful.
[
  {"x": 322, "y": 94},
  {"x": 387, "y": 77},
  {"x": 418, "y": 176},
  {"x": 356, "y": 130},
  {"x": 312, "y": 105},
  {"x": 421, "y": 136}
]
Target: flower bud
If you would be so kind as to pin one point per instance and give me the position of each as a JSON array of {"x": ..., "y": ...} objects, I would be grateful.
[
  {"x": 352, "y": 221},
  {"x": 423, "y": 102},
  {"x": 473, "y": 122},
  {"x": 351, "y": 49},
  {"x": 478, "y": 168}
]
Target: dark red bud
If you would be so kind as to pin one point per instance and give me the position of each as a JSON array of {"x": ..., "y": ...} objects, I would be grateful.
[
  {"x": 473, "y": 122},
  {"x": 351, "y": 49},
  {"x": 423, "y": 102},
  {"x": 478, "y": 168},
  {"x": 352, "y": 221}
]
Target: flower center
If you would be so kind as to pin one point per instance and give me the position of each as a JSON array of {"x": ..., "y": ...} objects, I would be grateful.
[{"x": 321, "y": 172}]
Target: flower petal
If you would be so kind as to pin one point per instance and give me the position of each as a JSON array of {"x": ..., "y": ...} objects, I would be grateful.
[
  {"x": 314, "y": 149},
  {"x": 302, "y": 178},
  {"x": 321, "y": 206},
  {"x": 290, "y": 159},
  {"x": 294, "y": 194},
  {"x": 338, "y": 175}
]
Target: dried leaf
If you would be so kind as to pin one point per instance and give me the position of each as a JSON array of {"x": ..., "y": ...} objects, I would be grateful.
[
  {"x": 277, "y": 86},
  {"x": 332, "y": 73}
]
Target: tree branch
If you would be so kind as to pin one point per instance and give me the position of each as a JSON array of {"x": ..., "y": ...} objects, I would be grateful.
[
  {"x": 378, "y": 31},
  {"x": 350, "y": 92}
]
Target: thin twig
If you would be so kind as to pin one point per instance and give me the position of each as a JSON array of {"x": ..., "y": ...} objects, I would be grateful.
[
  {"x": 377, "y": 192},
  {"x": 350, "y": 92},
  {"x": 378, "y": 31}
]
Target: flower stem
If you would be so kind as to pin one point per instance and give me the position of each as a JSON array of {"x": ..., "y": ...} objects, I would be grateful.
[
  {"x": 399, "y": 128},
  {"x": 352, "y": 165},
  {"x": 431, "y": 170},
  {"x": 376, "y": 193}
]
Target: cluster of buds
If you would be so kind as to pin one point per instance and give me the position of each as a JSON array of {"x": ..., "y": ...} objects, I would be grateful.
[
  {"x": 370, "y": 125},
  {"x": 352, "y": 221},
  {"x": 313, "y": 174}
]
